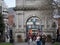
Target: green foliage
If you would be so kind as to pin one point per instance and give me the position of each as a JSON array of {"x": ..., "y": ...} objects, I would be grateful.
[
  {"x": 5, "y": 44},
  {"x": 2, "y": 25},
  {"x": 56, "y": 43}
]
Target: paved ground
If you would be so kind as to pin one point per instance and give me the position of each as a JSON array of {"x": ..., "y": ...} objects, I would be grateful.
[
  {"x": 27, "y": 44},
  {"x": 48, "y": 44}
]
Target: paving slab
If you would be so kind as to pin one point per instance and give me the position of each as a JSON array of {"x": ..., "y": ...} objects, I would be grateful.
[{"x": 28, "y": 44}]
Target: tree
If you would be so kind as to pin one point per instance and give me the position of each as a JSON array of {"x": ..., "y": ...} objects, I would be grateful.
[{"x": 2, "y": 26}]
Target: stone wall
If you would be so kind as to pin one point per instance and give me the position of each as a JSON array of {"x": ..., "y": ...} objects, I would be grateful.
[
  {"x": 22, "y": 16},
  {"x": 33, "y": 3},
  {"x": 41, "y": 9}
]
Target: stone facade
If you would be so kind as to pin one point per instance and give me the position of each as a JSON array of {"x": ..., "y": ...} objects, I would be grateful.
[{"x": 26, "y": 9}]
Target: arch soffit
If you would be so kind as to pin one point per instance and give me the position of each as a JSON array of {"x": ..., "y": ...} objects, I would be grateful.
[{"x": 31, "y": 17}]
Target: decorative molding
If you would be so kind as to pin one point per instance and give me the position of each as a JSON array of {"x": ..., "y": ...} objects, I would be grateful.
[
  {"x": 24, "y": 25},
  {"x": 20, "y": 32},
  {"x": 14, "y": 25},
  {"x": 20, "y": 14},
  {"x": 19, "y": 25},
  {"x": 33, "y": 8}
]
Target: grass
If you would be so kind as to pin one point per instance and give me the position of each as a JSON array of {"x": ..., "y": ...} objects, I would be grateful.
[
  {"x": 56, "y": 43},
  {"x": 5, "y": 44}
]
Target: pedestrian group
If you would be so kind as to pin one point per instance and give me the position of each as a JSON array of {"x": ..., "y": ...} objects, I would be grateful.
[{"x": 36, "y": 40}]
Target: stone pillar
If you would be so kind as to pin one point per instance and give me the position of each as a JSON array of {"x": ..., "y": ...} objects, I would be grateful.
[
  {"x": 17, "y": 21},
  {"x": 45, "y": 22}
]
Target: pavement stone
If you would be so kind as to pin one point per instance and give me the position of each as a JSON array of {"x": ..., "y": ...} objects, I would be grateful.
[
  {"x": 48, "y": 43},
  {"x": 27, "y": 43}
]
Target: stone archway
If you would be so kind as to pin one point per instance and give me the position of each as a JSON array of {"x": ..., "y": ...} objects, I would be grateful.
[{"x": 33, "y": 25}]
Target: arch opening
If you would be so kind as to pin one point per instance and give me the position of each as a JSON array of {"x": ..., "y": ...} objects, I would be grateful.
[{"x": 33, "y": 26}]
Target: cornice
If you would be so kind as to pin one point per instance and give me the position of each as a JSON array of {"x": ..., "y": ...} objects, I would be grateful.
[
  {"x": 33, "y": 8},
  {"x": 47, "y": 7}
]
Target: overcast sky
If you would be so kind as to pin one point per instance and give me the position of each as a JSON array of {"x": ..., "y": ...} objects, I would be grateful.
[{"x": 10, "y": 3}]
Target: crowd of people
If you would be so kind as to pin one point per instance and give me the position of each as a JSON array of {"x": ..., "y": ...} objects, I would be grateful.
[{"x": 36, "y": 39}]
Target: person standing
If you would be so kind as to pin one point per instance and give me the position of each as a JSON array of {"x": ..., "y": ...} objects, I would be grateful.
[
  {"x": 30, "y": 41},
  {"x": 43, "y": 39},
  {"x": 38, "y": 40},
  {"x": 34, "y": 40}
]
